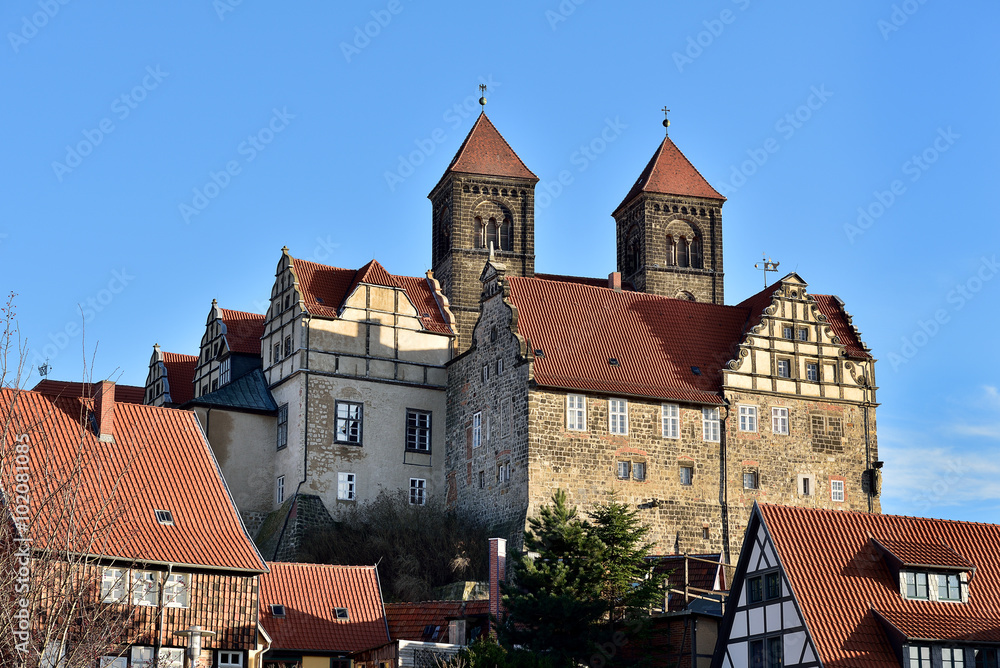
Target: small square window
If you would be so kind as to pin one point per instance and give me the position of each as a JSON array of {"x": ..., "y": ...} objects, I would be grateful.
[
  {"x": 687, "y": 473},
  {"x": 786, "y": 331},
  {"x": 803, "y": 334},
  {"x": 751, "y": 479},
  {"x": 624, "y": 470},
  {"x": 639, "y": 471},
  {"x": 784, "y": 368},
  {"x": 748, "y": 418},
  {"x": 277, "y": 610}
]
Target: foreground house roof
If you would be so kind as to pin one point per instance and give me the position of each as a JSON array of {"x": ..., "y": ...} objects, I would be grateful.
[
  {"x": 130, "y": 394},
  {"x": 656, "y": 342},
  {"x": 846, "y": 572},
  {"x": 145, "y": 459},
  {"x": 427, "y": 621},
  {"x": 310, "y": 595}
]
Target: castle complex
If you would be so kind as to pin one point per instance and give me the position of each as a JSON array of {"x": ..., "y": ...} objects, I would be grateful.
[{"x": 487, "y": 386}]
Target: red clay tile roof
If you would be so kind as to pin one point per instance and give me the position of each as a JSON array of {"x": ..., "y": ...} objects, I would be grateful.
[
  {"x": 324, "y": 290},
  {"x": 831, "y": 307},
  {"x": 485, "y": 151},
  {"x": 583, "y": 280},
  {"x": 926, "y": 554},
  {"x": 129, "y": 394},
  {"x": 310, "y": 592},
  {"x": 427, "y": 621},
  {"x": 180, "y": 376},
  {"x": 669, "y": 172},
  {"x": 840, "y": 578},
  {"x": 243, "y": 330},
  {"x": 160, "y": 460}
]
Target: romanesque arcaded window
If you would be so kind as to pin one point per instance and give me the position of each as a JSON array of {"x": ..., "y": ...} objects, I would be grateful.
[
  {"x": 491, "y": 233},
  {"x": 683, "y": 252},
  {"x": 696, "y": 254},
  {"x": 671, "y": 251},
  {"x": 480, "y": 232},
  {"x": 506, "y": 235}
]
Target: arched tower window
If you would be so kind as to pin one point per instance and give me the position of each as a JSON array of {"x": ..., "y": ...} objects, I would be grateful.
[
  {"x": 683, "y": 252},
  {"x": 480, "y": 233},
  {"x": 633, "y": 258},
  {"x": 506, "y": 235},
  {"x": 491, "y": 233},
  {"x": 696, "y": 258},
  {"x": 671, "y": 251}
]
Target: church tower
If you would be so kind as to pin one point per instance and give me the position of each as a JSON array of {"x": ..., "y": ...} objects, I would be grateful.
[
  {"x": 669, "y": 230},
  {"x": 485, "y": 198}
]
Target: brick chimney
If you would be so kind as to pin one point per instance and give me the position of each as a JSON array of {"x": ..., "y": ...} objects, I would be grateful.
[
  {"x": 615, "y": 281},
  {"x": 498, "y": 572},
  {"x": 104, "y": 410}
]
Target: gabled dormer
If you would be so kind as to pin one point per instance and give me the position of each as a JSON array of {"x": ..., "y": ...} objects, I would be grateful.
[
  {"x": 230, "y": 348},
  {"x": 927, "y": 571},
  {"x": 169, "y": 381}
]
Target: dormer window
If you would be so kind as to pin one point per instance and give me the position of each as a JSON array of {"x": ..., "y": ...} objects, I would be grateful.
[
  {"x": 916, "y": 585},
  {"x": 949, "y": 587},
  {"x": 924, "y": 586}
]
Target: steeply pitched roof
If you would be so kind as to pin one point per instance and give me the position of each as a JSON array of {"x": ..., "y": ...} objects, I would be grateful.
[
  {"x": 669, "y": 172},
  {"x": 310, "y": 593},
  {"x": 427, "y": 621},
  {"x": 249, "y": 393},
  {"x": 130, "y": 394},
  {"x": 486, "y": 152},
  {"x": 325, "y": 288},
  {"x": 843, "y": 582},
  {"x": 159, "y": 460},
  {"x": 840, "y": 323},
  {"x": 180, "y": 376},
  {"x": 243, "y": 331}
]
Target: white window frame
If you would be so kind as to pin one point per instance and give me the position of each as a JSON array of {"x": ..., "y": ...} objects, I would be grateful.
[
  {"x": 623, "y": 469},
  {"x": 503, "y": 472},
  {"x": 779, "y": 420},
  {"x": 618, "y": 417},
  {"x": 418, "y": 430},
  {"x": 919, "y": 656},
  {"x": 225, "y": 371},
  {"x": 787, "y": 332},
  {"x": 113, "y": 662},
  {"x": 230, "y": 659},
  {"x": 477, "y": 429},
  {"x": 171, "y": 657},
  {"x": 576, "y": 412},
  {"x": 145, "y": 588},
  {"x": 710, "y": 425},
  {"x": 952, "y": 657},
  {"x": 141, "y": 656},
  {"x": 812, "y": 372},
  {"x": 347, "y": 486},
  {"x": 748, "y": 418},
  {"x": 114, "y": 585},
  {"x": 177, "y": 590},
  {"x": 418, "y": 491},
  {"x": 690, "y": 475},
  {"x": 53, "y": 655},
  {"x": 785, "y": 363},
  {"x": 279, "y": 490},
  {"x": 838, "y": 491},
  {"x": 636, "y": 467},
  {"x": 349, "y": 428},
  {"x": 671, "y": 418}
]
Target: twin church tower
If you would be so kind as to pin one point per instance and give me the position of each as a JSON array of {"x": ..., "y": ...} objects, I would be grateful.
[{"x": 668, "y": 228}]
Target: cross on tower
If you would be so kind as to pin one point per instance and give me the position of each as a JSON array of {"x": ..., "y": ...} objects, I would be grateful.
[
  {"x": 666, "y": 121},
  {"x": 482, "y": 96}
]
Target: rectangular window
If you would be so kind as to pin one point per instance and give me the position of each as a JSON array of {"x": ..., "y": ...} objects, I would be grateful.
[
  {"x": 687, "y": 474},
  {"x": 503, "y": 472},
  {"x": 784, "y": 368},
  {"x": 748, "y": 418},
  {"x": 952, "y": 657},
  {"x": 774, "y": 658},
  {"x": 639, "y": 471},
  {"x": 230, "y": 659},
  {"x": 224, "y": 370},
  {"x": 215, "y": 384},
  {"x": 710, "y": 424},
  {"x": 349, "y": 416},
  {"x": 920, "y": 656},
  {"x": 576, "y": 412},
  {"x": 279, "y": 490},
  {"x": 53, "y": 656},
  {"x": 171, "y": 657},
  {"x": 772, "y": 585},
  {"x": 276, "y": 355},
  {"x": 618, "y": 416},
  {"x": 779, "y": 421},
  {"x": 113, "y": 662},
  {"x": 671, "y": 421},
  {"x": 803, "y": 334},
  {"x": 812, "y": 371},
  {"x": 345, "y": 486},
  {"x": 949, "y": 588},
  {"x": 177, "y": 591},
  {"x": 786, "y": 331},
  {"x": 282, "y": 426},
  {"x": 499, "y": 366},
  {"x": 145, "y": 588},
  {"x": 757, "y": 653},
  {"x": 755, "y": 589},
  {"x": 482, "y": 480},
  {"x": 114, "y": 584},
  {"x": 418, "y": 491},
  {"x": 288, "y": 345},
  {"x": 805, "y": 487},
  {"x": 142, "y": 657},
  {"x": 477, "y": 430},
  {"x": 624, "y": 470},
  {"x": 916, "y": 585},
  {"x": 986, "y": 658},
  {"x": 486, "y": 372},
  {"x": 836, "y": 490},
  {"x": 418, "y": 430},
  {"x": 750, "y": 479}
]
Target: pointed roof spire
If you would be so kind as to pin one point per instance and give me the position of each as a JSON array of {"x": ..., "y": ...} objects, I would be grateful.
[
  {"x": 669, "y": 172},
  {"x": 486, "y": 152}
]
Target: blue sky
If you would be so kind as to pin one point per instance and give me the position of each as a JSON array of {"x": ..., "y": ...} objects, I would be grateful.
[{"x": 159, "y": 155}]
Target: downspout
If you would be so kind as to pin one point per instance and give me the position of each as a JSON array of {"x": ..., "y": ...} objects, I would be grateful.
[
  {"x": 723, "y": 480},
  {"x": 869, "y": 469}
]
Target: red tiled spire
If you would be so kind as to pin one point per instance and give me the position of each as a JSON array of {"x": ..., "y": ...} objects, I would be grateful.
[
  {"x": 485, "y": 151},
  {"x": 669, "y": 172}
]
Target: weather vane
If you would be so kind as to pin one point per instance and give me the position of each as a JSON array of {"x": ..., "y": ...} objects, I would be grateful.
[
  {"x": 666, "y": 121},
  {"x": 766, "y": 265},
  {"x": 43, "y": 369},
  {"x": 482, "y": 96}
]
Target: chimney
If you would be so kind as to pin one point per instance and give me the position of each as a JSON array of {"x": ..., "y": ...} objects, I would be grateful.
[
  {"x": 104, "y": 410},
  {"x": 615, "y": 281},
  {"x": 498, "y": 572}
]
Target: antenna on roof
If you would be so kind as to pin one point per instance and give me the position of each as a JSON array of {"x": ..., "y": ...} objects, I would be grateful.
[
  {"x": 482, "y": 96},
  {"x": 43, "y": 369},
  {"x": 766, "y": 265},
  {"x": 666, "y": 121}
]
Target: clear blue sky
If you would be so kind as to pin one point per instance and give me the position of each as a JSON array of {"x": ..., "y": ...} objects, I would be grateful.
[{"x": 887, "y": 106}]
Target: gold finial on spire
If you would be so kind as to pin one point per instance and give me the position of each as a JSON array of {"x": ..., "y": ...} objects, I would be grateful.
[
  {"x": 666, "y": 121},
  {"x": 482, "y": 94}
]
